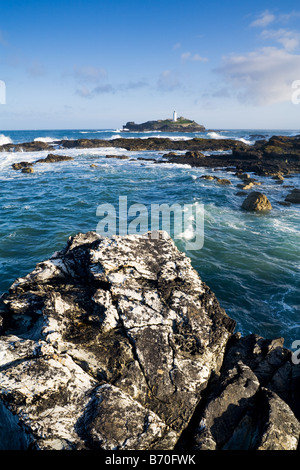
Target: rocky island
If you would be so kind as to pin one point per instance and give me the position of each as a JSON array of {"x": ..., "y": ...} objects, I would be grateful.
[
  {"x": 180, "y": 124},
  {"x": 117, "y": 344}
]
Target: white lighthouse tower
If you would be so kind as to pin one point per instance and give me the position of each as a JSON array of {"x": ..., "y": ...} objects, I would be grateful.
[{"x": 174, "y": 116}]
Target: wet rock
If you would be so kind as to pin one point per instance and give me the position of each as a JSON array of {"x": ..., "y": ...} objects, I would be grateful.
[
  {"x": 284, "y": 203},
  {"x": 27, "y": 170},
  {"x": 246, "y": 186},
  {"x": 293, "y": 196},
  {"x": 21, "y": 165},
  {"x": 223, "y": 181},
  {"x": 120, "y": 157},
  {"x": 26, "y": 167},
  {"x": 278, "y": 177},
  {"x": 256, "y": 201},
  {"x": 194, "y": 154},
  {"x": 207, "y": 177},
  {"x": 53, "y": 158}
]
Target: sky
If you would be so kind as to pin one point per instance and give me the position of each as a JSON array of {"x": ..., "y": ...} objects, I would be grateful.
[{"x": 97, "y": 64}]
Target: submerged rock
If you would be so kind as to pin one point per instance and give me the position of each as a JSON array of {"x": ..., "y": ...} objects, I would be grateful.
[
  {"x": 118, "y": 344},
  {"x": 293, "y": 196}
]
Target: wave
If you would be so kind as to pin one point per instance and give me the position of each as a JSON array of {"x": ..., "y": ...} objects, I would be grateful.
[
  {"x": 215, "y": 135},
  {"x": 117, "y": 136},
  {"x": 245, "y": 141},
  {"x": 47, "y": 140},
  {"x": 5, "y": 140}
]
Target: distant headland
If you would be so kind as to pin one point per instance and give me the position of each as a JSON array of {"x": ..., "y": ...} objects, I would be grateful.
[{"x": 180, "y": 124}]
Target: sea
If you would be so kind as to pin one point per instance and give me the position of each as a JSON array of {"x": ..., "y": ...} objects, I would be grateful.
[{"x": 251, "y": 261}]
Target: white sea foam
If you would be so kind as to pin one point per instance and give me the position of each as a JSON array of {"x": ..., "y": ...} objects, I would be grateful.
[
  {"x": 115, "y": 137},
  {"x": 47, "y": 140},
  {"x": 5, "y": 140},
  {"x": 245, "y": 141},
  {"x": 215, "y": 135}
]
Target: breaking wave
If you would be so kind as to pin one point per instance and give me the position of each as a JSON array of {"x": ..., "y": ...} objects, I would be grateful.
[{"x": 5, "y": 140}]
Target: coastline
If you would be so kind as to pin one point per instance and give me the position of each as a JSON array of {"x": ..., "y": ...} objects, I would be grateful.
[{"x": 58, "y": 184}]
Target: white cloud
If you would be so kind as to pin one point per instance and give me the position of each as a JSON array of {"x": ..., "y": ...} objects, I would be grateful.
[
  {"x": 267, "y": 17},
  {"x": 262, "y": 77},
  {"x": 288, "y": 39},
  {"x": 193, "y": 57},
  {"x": 285, "y": 17},
  {"x": 264, "y": 19}
]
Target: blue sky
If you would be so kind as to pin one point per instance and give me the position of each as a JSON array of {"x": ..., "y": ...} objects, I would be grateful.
[{"x": 99, "y": 64}]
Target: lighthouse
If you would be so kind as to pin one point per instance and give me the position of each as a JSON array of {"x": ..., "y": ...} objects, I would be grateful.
[{"x": 174, "y": 116}]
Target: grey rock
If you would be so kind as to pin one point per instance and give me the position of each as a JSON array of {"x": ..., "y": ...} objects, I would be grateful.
[
  {"x": 254, "y": 403},
  {"x": 124, "y": 326}
]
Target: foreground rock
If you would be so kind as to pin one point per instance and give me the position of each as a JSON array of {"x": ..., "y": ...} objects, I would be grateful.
[
  {"x": 109, "y": 344},
  {"x": 256, "y": 201},
  {"x": 118, "y": 344}
]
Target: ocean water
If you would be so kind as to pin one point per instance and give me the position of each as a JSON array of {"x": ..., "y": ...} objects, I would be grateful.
[{"x": 251, "y": 261}]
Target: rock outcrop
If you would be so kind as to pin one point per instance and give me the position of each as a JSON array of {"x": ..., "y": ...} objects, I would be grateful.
[
  {"x": 254, "y": 403},
  {"x": 26, "y": 167},
  {"x": 165, "y": 125},
  {"x": 256, "y": 201},
  {"x": 118, "y": 344}
]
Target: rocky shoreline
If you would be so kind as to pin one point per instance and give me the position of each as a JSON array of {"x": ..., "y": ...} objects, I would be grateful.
[
  {"x": 265, "y": 158},
  {"x": 117, "y": 344},
  {"x": 278, "y": 158}
]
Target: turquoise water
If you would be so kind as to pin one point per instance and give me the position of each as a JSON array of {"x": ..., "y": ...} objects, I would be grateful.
[{"x": 250, "y": 261}]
